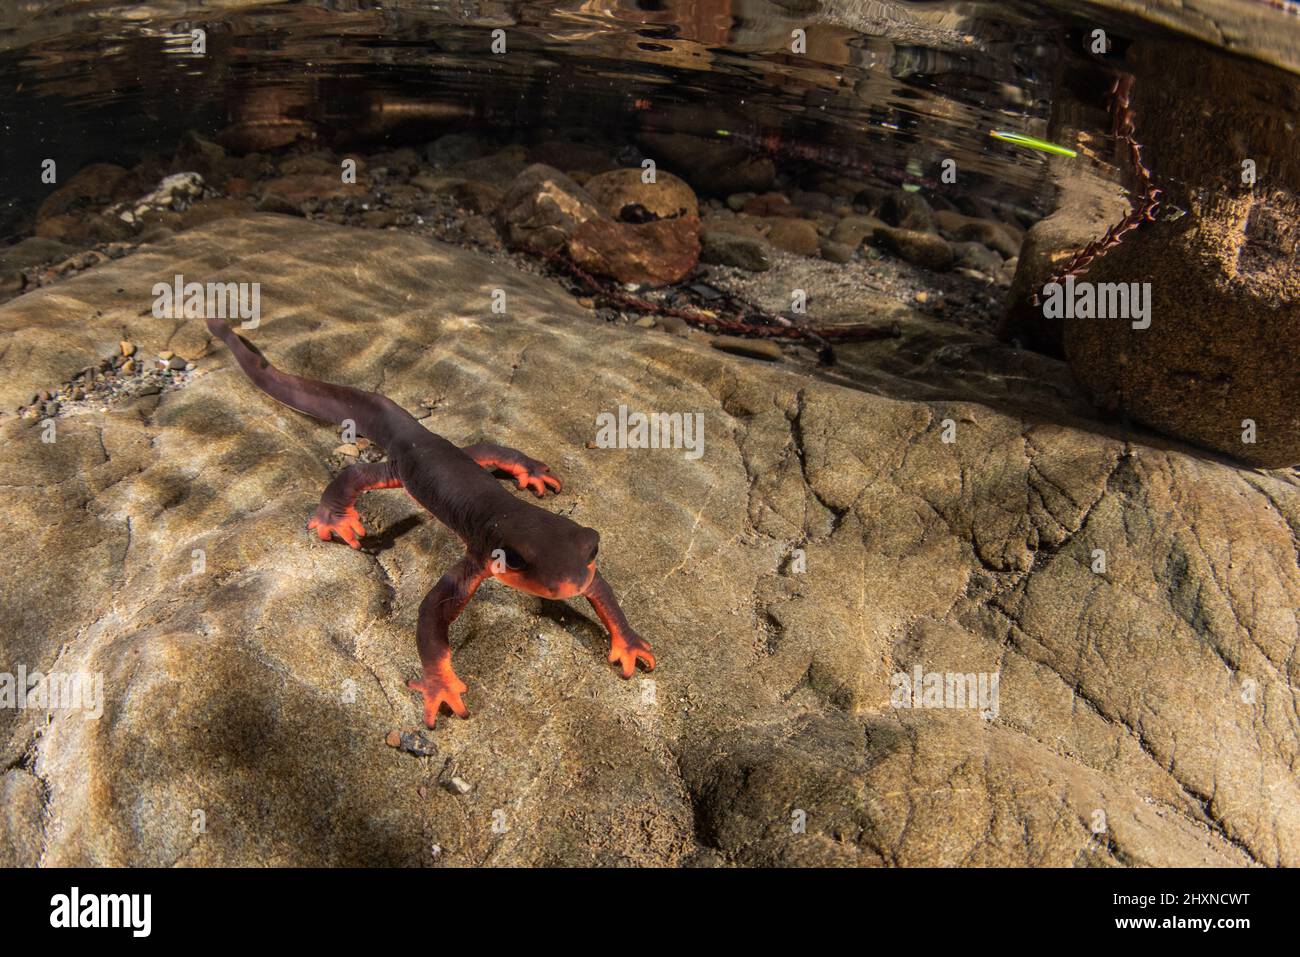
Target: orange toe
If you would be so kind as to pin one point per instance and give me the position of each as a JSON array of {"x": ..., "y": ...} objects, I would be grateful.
[
  {"x": 537, "y": 478},
  {"x": 347, "y": 526},
  {"x": 439, "y": 691},
  {"x": 627, "y": 652}
]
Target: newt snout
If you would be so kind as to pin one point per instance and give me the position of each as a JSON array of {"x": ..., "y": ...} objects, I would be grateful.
[{"x": 548, "y": 556}]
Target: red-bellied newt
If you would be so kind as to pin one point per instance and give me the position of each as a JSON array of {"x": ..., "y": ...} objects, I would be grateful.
[{"x": 506, "y": 538}]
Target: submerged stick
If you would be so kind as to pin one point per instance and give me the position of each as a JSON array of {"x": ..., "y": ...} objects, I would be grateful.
[{"x": 767, "y": 327}]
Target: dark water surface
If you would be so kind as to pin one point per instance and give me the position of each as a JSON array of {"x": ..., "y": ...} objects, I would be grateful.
[{"x": 886, "y": 91}]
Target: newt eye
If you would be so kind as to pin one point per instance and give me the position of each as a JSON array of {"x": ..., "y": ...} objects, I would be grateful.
[{"x": 514, "y": 561}]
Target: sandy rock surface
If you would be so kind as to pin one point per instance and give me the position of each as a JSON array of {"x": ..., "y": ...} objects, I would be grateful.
[{"x": 827, "y": 540}]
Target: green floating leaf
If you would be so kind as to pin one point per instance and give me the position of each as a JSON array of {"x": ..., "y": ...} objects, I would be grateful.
[{"x": 1033, "y": 142}]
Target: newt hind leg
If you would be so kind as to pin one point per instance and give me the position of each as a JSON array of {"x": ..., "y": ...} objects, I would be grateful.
[
  {"x": 440, "y": 686},
  {"x": 337, "y": 513},
  {"x": 528, "y": 472}
]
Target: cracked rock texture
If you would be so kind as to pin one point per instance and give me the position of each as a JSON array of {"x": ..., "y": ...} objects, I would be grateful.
[{"x": 1146, "y": 715}]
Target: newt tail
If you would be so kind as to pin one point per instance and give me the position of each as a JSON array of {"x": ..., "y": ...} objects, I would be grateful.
[{"x": 512, "y": 540}]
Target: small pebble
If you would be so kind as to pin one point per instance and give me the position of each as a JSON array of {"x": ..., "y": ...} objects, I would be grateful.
[
  {"x": 418, "y": 743},
  {"x": 674, "y": 325},
  {"x": 836, "y": 252},
  {"x": 128, "y": 348},
  {"x": 176, "y": 364}
]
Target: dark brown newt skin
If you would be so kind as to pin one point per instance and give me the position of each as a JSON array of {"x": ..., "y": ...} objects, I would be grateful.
[{"x": 524, "y": 546}]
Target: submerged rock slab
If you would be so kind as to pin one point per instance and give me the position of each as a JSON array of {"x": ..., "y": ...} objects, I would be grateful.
[{"x": 827, "y": 540}]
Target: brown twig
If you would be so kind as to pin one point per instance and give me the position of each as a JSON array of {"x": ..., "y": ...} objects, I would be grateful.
[{"x": 751, "y": 324}]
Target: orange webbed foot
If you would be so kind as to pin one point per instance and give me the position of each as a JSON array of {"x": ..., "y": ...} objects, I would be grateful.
[
  {"x": 626, "y": 650},
  {"x": 439, "y": 690},
  {"x": 347, "y": 526},
  {"x": 535, "y": 476}
]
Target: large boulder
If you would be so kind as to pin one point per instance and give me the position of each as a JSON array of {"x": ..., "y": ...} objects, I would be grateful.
[
  {"x": 656, "y": 253},
  {"x": 1086, "y": 206},
  {"x": 542, "y": 208},
  {"x": 623, "y": 194},
  {"x": 827, "y": 541},
  {"x": 1217, "y": 365}
]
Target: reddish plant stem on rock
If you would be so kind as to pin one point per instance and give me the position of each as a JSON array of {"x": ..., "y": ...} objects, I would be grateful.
[
  {"x": 755, "y": 325},
  {"x": 1147, "y": 198}
]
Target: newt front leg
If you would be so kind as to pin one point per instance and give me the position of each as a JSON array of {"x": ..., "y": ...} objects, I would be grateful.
[
  {"x": 337, "y": 512},
  {"x": 443, "y": 605},
  {"x": 527, "y": 471},
  {"x": 626, "y": 647}
]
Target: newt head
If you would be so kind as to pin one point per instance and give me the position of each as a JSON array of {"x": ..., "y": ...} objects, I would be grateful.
[{"x": 545, "y": 554}]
